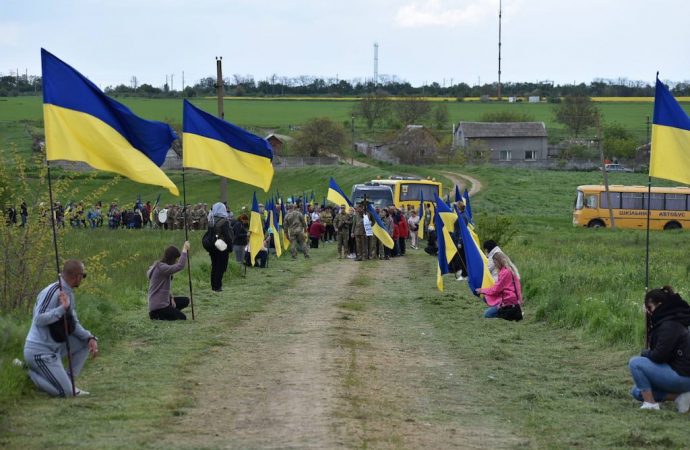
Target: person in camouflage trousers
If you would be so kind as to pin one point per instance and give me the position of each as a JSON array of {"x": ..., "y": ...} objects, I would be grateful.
[
  {"x": 359, "y": 233},
  {"x": 341, "y": 223},
  {"x": 296, "y": 226}
]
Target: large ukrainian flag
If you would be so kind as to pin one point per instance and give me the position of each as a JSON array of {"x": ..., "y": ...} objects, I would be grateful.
[
  {"x": 478, "y": 275},
  {"x": 212, "y": 144},
  {"x": 336, "y": 195},
  {"x": 446, "y": 247},
  {"x": 670, "y": 153},
  {"x": 379, "y": 228},
  {"x": 84, "y": 124},
  {"x": 256, "y": 231}
]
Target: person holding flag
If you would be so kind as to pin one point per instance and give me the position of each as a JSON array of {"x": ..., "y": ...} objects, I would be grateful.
[{"x": 505, "y": 297}]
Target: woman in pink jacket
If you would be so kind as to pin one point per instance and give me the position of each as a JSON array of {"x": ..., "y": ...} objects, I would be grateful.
[{"x": 505, "y": 297}]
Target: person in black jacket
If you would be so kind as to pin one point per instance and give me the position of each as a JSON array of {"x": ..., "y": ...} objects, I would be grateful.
[
  {"x": 240, "y": 231},
  {"x": 662, "y": 372},
  {"x": 218, "y": 219}
]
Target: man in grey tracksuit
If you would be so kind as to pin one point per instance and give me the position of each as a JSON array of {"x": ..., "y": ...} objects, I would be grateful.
[{"x": 42, "y": 353}]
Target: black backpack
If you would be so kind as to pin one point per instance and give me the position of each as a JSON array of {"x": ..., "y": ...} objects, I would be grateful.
[{"x": 209, "y": 239}]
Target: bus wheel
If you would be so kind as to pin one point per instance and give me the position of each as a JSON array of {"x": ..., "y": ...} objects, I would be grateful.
[
  {"x": 672, "y": 226},
  {"x": 596, "y": 223}
]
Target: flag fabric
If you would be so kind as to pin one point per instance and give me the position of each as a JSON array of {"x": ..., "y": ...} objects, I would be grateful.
[
  {"x": 468, "y": 207},
  {"x": 273, "y": 229},
  {"x": 446, "y": 248},
  {"x": 212, "y": 144},
  {"x": 478, "y": 275},
  {"x": 379, "y": 228},
  {"x": 458, "y": 197},
  {"x": 448, "y": 215},
  {"x": 256, "y": 231},
  {"x": 420, "y": 227},
  {"x": 670, "y": 152},
  {"x": 281, "y": 214},
  {"x": 84, "y": 124},
  {"x": 336, "y": 195}
]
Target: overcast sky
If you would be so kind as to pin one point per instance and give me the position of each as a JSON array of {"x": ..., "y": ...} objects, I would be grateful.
[{"x": 420, "y": 41}]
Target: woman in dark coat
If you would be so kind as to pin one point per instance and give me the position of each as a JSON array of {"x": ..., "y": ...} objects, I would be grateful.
[
  {"x": 662, "y": 372},
  {"x": 218, "y": 219}
]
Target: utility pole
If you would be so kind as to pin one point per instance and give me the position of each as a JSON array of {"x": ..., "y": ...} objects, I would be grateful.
[
  {"x": 354, "y": 145},
  {"x": 606, "y": 174},
  {"x": 183, "y": 80},
  {"x": 500, "y": 10},
  {"x": 221, "y": 114}
]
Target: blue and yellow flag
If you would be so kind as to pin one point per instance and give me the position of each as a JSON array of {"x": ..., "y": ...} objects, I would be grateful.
[
  {"x": 336, "y": 195},
  {"x": 281, "y": 214},
  {"x": 478, "y": 275},
  {"x": 256, "y": 231},
  {"x": 273, "y": 229},
  {"x": 379, "y": 228},
  {"x": 446, "y": 247},
  {"x": 84, "y": 124},
  {"x": 212, "y": 144},
  {"x": 458, "y": 197},
  {"x": 670, "y": 153}
]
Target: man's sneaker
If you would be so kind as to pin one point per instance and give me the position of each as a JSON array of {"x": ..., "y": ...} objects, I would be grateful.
[
  {"x": 647, "y": 405},
  {"x": 19, "y": 363},
  {"x": 80, "y": 392},
  {"x": 683, "y": 402}
]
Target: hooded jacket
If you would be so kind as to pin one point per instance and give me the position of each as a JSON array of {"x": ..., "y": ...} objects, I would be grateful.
[{"x": 669, "y": 337}]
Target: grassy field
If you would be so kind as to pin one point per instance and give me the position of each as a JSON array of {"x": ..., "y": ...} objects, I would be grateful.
[
  {"x": 558, "y": 379},
  {"x": 281, "y": 114}
]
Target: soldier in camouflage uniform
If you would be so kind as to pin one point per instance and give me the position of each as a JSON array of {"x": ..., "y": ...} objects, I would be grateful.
[
  {"x": 342, "y": 224},
  {"x": 359, "y": 233},
  {"x": 172, "y": 218},
  {"x": 296, "y": 227}
]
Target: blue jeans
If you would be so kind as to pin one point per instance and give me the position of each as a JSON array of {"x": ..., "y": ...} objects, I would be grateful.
[
  {"x": 661, "y": 379},
  {"x": 491, "y": 312}
]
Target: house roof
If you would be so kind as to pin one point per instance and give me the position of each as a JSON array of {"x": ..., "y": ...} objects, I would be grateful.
[{"x": 502, "y": 129}]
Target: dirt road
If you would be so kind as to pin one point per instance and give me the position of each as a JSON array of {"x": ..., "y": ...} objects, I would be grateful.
[{"x": 332, "y": 366}]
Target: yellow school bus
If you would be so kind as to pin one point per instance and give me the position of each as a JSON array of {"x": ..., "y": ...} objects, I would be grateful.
[
  {"x": 668, "y": 207},
  {"x": 407, "y": 191}
]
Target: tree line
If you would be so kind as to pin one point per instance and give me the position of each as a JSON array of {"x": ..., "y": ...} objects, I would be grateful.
[{"x": 247, "y": 85}]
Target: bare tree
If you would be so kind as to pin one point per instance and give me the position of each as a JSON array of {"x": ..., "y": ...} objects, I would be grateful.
[
  {"x": 373, "y": 108},
  {"x": 577, "y": 113},
  {"x": 320, "y": 136},
  {"x": 412, "y": 110}
]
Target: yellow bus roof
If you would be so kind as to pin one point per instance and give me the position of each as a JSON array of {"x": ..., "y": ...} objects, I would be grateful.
[
  {"x": 413, "y": 181},
  {"x": 640, "y": 189}
]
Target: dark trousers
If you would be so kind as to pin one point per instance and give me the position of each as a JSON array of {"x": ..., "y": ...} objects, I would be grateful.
[
  {"x": 170, "y": 313},
  {"x": 261, "y": 259},
  {"x": 314, "y": 242},
  {"x": 401, "y": 246},
  {"x": 219, "y": 264}
]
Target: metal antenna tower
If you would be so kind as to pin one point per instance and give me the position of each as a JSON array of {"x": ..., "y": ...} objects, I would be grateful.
[
  {"x": 499, "y": 48},
  {"x": 376, "y": 64}
]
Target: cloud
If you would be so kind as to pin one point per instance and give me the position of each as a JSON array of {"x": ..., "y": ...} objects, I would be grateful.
[{"x": 445, "y": 13}]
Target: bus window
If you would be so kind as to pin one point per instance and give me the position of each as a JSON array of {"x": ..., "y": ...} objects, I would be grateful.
[
  {"x": 591, "y": 201},
  {"x": 631, "y": 200},
  {"x": 675, "y": 202},
  {"x": 578, "y": 200},
  {"x": 615, "y": 200},
  {"x": 411, "y": 191},
  {"x": 657, "y": 202}
]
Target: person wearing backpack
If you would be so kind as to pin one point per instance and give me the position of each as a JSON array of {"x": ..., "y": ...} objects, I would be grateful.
[{"x": 218, "y": 220}]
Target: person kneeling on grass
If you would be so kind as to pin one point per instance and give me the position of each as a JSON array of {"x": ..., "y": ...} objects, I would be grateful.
[
  {"x": 662, "y": 372},
  {"x": 55, "y": 332},
  {"x": 162, "y": 304},
  {"x": 505, "y": 297}
]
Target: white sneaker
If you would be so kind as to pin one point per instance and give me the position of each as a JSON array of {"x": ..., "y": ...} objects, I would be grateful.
[
  {"x": 647, "y": 405},
  {"x": 81, "y": 392},
  {"x": 460, "y": 278},
  {"x": 683, "y": 402},
  {"x": 19, "y": 363}
]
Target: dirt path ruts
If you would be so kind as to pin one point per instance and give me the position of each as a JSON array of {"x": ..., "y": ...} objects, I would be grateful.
[{"x": 455, "y": 178}]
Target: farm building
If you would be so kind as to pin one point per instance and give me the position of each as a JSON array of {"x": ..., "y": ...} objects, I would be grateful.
[
  {"x": 507, "y": 141},
  {"x": 276, "y": 143}
]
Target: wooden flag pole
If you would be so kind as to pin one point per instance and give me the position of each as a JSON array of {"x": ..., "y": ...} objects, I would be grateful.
[{"x": 186, "y": 238}]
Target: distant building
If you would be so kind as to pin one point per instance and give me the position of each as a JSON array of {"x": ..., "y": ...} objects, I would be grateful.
[
  {"x": 507, "y": 141},
  {"x": 275, "y": 142}
]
